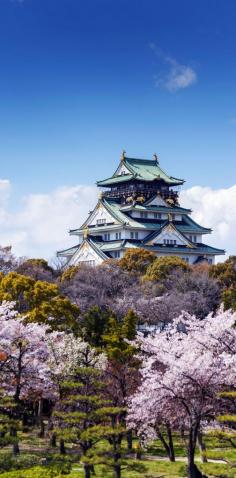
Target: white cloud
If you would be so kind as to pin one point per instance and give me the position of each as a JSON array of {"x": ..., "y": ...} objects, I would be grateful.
[
  {"x": 178, "y": 76},
  {"x": 40, "y": 227},
  {"x": 215, "y": 209}
]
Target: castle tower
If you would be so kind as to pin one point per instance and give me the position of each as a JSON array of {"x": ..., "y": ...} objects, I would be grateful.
[{"x": 139, "y": 207}]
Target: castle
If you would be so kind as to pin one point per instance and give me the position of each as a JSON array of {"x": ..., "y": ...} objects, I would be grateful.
[{"x": 139, "y": 207}]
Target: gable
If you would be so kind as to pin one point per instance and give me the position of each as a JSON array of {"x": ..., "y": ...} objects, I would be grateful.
[
  {"x": 122, "y": 169},
  {"x": 85, "y": 254},
  {"x": 100, "y": 216},
  {"x": 156, "y": 201},
  {"x": 169, "y": 235}
]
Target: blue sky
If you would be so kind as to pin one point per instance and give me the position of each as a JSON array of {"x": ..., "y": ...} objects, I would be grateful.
[{"x": 81, "y": 80}]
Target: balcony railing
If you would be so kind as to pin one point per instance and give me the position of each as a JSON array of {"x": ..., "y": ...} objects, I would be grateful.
[{"x": 136, "y": 194}]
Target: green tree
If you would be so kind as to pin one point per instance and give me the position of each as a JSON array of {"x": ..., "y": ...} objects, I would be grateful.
[
  {"x": 137, "y": 260},
  {"x": 225, "y": 272},
  {"x": 69, "y": 273},
  {"x": 113, "y": 430},
  {"x": 40, "y": 301},
  {"x": 163, "y": 266},
  {"x": 93, "y": 325},
  {"x": 226, "y": 433},
  {"x": 9, "y": 424},
  {"x": 122, "y": 374},
  {"x": 116, "y": 335},
  {"x": 78, "y": 418}
]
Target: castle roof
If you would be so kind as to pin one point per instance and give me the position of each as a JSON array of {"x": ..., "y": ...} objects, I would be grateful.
[
  {"x": 186, "y": 226},
  {"x": 140, "y": 170}
]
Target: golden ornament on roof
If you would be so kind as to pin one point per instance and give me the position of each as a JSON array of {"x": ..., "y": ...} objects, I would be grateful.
[
  {"x": 86, "y": 232},
  {"x": 123, "y": 155}
]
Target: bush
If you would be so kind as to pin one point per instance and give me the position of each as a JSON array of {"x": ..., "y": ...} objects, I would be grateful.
[
  {"x": 163, "y": 266},
  {"x": 39, "y": 472}
]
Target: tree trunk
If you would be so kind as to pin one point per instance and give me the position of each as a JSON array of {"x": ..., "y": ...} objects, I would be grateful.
[
  {"x": 42, "y": 428},
  {"x": 193, "y": 471},
  {"x": 53, "y": 439},
  {"x": 202, "y": 448},
  {"x": 117, "y": 471},
  {"x": 15, "y": 447},
  {"x": 129, "y": 440},
  {"x": 171, "y": 444},
  {"x": 87, "y": 470},
  {"x": 168, "y": 447},
  {"x": 62, "y": 447},
  {"x": 40, "y": 419}
]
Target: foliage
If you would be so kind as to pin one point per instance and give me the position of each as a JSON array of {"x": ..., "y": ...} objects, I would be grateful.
[
  {"x": 229, "y": 298},
  {"x": 104, "y": 286},
  {"x": 77, "y": 415},
  {"x": 137, "y": 260},
  {"x": 163, "y": 266},
  {"x": 225, "y": 272},
  {"x": 116, "y": 336},
  {"x": 39, "y": 472},
  {"x": 93, "y": 325},
  {"x": 39, "y": 301},
  {"x": 38, "y": 269},
  {"x": 184, "y": 368},
  {"x": 69, "y": 273}
]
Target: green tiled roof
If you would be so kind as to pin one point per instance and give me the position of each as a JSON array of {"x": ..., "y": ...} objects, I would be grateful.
[
  {"x": 199, "y": 249},
  {"x": 164, "y": 209},
  {"x": 187, "y": 225},
  {"x": 68, "y": 252},
  {"x": 111, "y": 245},
  {"x": 142, "y": 170}
]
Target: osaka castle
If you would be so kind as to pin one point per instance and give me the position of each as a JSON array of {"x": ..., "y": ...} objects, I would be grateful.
[{"x": 139, "y": 206}]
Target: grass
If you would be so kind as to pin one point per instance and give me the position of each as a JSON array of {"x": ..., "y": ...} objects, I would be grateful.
[{"x": 153, "y": 464}]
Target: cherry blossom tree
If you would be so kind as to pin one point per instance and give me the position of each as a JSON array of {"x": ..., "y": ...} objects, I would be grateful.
[
  {"x": 24, "y": 373},
  {"x": 185, "y": 366}
]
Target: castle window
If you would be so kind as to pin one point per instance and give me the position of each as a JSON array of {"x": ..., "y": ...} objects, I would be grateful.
[
  {"x": 157, "y": 215},
  {"x": 88, "y": 263},
  {"x": 171, "y": 242},
  {"x": 118, "y": 235},
  {"x": 107, "y": 237},
  {"x": 117, "y": 254},
  {"x": 144, "y": 214},
  {"x": 101, "y": 221}
]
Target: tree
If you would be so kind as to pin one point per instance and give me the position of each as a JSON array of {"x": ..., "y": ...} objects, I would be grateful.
[
  {"x": 163, "y": 266},
  {"x": 39, "y": 301},
  {"x": 8, "y": 262},
  {"x": 122, "y": 375},
  {"x": 225, "y": 272},
  {"x": 225, "y": 431},
  {"x": 93, "y": 325},
  {"x": 184, "y": 369},
  {"x": 137, "y": 260},
  {"x": 103, "y": 286},
  {"x": 23, "y": 374},
  {"x": 38, "y": 269},
  {"x": 77, "y": 415}
]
